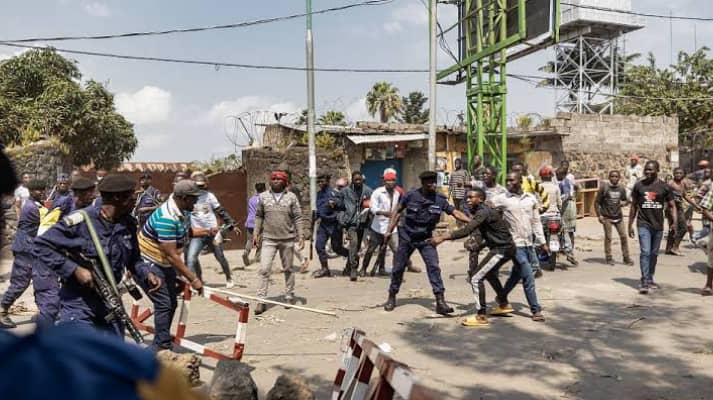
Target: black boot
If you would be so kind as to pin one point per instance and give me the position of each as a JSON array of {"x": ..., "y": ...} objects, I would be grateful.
[
  {"x": 353, "y": 274},
  {"x": 441, "y": 306},
  {"x": 5, "y": 321},
  {"x": 260, "y": 308},
  {"x": 391, "y": 302},
  {"x": 322, "y": 272}
]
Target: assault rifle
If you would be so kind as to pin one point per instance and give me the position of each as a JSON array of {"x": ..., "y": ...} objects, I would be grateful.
[
  {"x": 314, "y": 225},
  {"x": 110, "y": 297}
]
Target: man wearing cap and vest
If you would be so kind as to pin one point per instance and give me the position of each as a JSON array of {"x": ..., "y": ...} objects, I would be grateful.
[
  {"x": 27, "y": 225},
  {"x": 353, "y": 201},
  {"x": 329, "y": 229},
  {"x": 384, "y": 202},
  {"x": 203, "y": 217},
  {"x": 423, "y": 208},
  {"x": 67, "y": 246},
  {"x": 278, "y": 223},
  {"x": 45, "y": 282},
  {"x": 161, "y": 241}
]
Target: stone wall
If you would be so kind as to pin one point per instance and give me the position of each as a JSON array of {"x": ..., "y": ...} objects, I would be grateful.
[
  {"x": 43, "y": 160},
  {"x": 595, "y": 144}
]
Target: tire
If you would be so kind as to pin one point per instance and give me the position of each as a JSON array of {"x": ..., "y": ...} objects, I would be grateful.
[{"x": 553, "y": 260}]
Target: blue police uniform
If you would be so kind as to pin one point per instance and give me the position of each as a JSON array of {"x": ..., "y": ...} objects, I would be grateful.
[
  {"x": 79, "y": 304},
  {"x": 27, "y": 225},
  {"x": 423, "y": 211},
  {"x": 45, "y": 281},
  {"x": 329, "y": 228}
]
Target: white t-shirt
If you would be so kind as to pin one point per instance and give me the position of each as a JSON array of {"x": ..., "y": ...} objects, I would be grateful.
[
  {"x": 203, "y": 215},
  {"x": 382, "y": 201},
  {"x": 22, "y": 193}
]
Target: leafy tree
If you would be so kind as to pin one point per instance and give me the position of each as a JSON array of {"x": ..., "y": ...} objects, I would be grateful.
[
  {"x": 675, "y": 90},
  {"x": 333, "y": 118},
  {"x": 302, "y": 119},
  {"x": 384, "y": 99},
  {"x": 41, "y": 94},
  {"x": 413, "y": 112}
]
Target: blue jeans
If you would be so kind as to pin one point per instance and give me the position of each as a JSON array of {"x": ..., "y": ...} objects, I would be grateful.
[
  {"x": 194, "y": 250},
  {"x": 649, "y": 243},
  {"x": 522, "y": 270},
  {"x": 164, "y": 302}
]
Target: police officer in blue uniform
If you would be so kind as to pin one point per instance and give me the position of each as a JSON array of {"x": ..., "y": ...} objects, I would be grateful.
[
  {"x": 27, "y": 225},
  {"x": 422, "y": 208},
  {"x": 45, "y": 282},
  {"x": 329, "y": 228},
  {"x": 63, "y": 243},
  {"x": 61, "y": 193}
]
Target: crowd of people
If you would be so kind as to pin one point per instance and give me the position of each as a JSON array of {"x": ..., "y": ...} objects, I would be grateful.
[{"x": 156, "y": 240}]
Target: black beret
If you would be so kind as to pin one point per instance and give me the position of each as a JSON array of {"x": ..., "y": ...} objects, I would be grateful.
[
  {"x": 36, "y": 184},
  {"x": 324, "y": 177},
  {"x": 428, "y": 175},
  {"x": 82, "y": 183},
  {"x": 117, "y": 184}
]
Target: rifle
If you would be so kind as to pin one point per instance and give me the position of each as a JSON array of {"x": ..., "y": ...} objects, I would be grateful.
[
  {"x": 381, "y": 257},
  {"x": 110, "y": 297}
]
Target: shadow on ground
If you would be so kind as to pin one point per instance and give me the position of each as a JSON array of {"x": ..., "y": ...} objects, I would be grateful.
[{"x": 598, "y": 353}]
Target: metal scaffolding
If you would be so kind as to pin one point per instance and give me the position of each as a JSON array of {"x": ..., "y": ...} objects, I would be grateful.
[{"x": 585, "y": 70}]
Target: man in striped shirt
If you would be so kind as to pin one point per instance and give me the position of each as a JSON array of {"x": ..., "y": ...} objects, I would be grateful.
[
  {"x": 457, "y": 184},
  {"x": 161, "y": 242}
]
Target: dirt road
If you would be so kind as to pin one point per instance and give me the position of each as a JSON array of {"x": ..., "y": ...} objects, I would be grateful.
[{"x": 601, "y": 340}]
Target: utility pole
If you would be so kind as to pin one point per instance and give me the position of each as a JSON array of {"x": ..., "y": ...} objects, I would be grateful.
[
  {"x": 432, "y": 93},
  {"x": 310, "y": 111}
]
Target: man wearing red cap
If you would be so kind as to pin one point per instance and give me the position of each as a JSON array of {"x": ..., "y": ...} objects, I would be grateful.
[
  {"x": 383, "y": 203},
  {"x": 278, "y": 223}
]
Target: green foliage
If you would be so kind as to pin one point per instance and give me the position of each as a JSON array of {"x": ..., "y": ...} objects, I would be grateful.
[
  {"x": 41, "y": 95},
  {"x": 302, "y": 120},
  {"x": 323, "y": 140},
  {"x": 384, "y": 99},
  {"x": 672, "y": 90},
  {"x": 413, "y": 112},
  {"x": 218, "y": 165},
  {"x": 333, "y": 118},
  {"x": 524, "y": 122}
]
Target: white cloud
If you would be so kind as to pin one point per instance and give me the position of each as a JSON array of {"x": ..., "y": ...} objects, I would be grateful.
[
  {"x": 357, "y": 111},
  {"x": 97, "y": 9},
  {"x": 149, "y": 105},
  {"x": 416, "y": 15}
]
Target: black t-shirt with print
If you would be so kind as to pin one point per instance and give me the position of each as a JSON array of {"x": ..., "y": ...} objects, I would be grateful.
[
  {"x": 651, "y": 200},
  {"x": 610, "y": 199}
]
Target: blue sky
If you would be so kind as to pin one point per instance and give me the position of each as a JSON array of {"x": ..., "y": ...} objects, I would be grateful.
[{"x": 180, "y": 111}]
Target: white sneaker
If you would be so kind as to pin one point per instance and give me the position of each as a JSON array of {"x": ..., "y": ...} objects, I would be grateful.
[{"x": 229, "y": 284}]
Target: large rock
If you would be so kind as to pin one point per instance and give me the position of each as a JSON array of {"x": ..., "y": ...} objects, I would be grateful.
[
  {"x": 232, "y": 381},
  {"x": 290, "y": 387},
  {"x": 188, "y": 364}
]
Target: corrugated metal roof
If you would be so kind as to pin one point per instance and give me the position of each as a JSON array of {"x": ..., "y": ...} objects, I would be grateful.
[{"x": 360, "y": 139}]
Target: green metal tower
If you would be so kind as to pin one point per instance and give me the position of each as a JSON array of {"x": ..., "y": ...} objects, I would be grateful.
[{"x": 491, "y": 29}]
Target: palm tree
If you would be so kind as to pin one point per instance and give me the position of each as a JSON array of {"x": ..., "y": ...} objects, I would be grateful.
[
  {"x": 383, "y": 98},
  {"x": 302, "y": 119},
  {"x": 413, "y": 112},
  {"x": 332, "y": 117}
]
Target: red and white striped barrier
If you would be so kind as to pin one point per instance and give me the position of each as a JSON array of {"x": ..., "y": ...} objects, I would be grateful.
[
  {"x": 232, "y": 303},
  {"x": 354, "y": 382}
]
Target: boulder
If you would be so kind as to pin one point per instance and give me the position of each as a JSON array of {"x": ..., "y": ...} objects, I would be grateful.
[
  {"x": 232, "y": 381},
  {"x": 290, "y": 387},
  {"x": 188, "y": 364}
]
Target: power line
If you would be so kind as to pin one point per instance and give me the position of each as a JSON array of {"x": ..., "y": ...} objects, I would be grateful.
[
  {"x": 203, "y": 28},
  {"x": 213, "y": 63},
  {"x": 640, "y": 14}
]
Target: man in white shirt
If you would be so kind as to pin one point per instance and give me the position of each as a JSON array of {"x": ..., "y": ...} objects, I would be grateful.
[
  {"x": 203, "y": 218},
  {"x": 22, "y": 193},
  {"x": 382, "y": 204},
  {"x": 520, "y": 211},
  {"x": 633, "y": 173}
]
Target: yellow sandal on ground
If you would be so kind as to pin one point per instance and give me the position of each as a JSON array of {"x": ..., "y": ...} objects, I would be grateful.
[
  {"x": 502, "y": 310},
  {"x": 475, "y": 321}
]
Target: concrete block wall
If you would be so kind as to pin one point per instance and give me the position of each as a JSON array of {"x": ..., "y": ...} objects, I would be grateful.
[{"x": 596, "y": 144}]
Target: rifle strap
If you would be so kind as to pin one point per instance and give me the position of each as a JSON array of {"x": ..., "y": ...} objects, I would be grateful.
[{"x": 100, "y": 251}]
